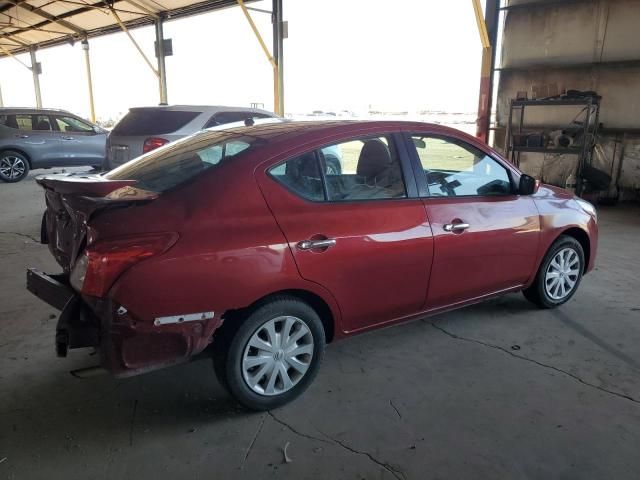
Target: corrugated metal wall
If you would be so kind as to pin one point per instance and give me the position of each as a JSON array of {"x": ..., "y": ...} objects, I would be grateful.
[{"x": 582, "y": 45}]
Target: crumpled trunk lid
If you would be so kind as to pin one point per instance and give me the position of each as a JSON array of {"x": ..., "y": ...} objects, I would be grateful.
[{"x": 72, "y": 201}]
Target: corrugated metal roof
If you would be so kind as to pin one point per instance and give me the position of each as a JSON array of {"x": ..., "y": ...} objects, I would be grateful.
[{"x": 41, "y": 23}]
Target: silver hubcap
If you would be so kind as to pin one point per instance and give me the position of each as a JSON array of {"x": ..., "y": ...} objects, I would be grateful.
[
  {"x": 12, "y": 167},
  {"x": 562, "y": 274},
  {"x": 277, "y": 356}
]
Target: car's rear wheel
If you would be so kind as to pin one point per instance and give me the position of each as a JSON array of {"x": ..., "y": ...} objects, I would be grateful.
[
  {"x": 273, "y": 355},
  {"x": 14, "y": 166},
  {"x": 559, "y": 275}
]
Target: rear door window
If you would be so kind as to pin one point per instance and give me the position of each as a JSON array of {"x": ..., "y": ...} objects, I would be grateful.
[
  {"x": 21, "y": 122},
  {"x": 369, "y": 170},
  {"x": 365, "y": 168},
  {"x": 152, "y": 122}
]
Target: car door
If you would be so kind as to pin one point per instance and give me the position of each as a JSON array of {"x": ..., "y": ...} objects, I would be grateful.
[
  {"x": 35, "y": 135},
  {"x": 80, "y": 143},
  {"x": 362, "y": 233},
  {"x": 485, "y": 234}
]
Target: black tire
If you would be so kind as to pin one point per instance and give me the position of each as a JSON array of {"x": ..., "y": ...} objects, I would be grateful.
[
  {"x": 538, "y": 293},
  {"x": 14, "y": 166},
  {"x": 230, "y": 349}
]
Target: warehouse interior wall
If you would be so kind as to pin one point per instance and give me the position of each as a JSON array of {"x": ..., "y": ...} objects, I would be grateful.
[{"x": 581, "y": 45}]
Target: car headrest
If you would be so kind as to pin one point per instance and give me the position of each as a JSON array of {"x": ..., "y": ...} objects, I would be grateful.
[
  {"x": 374, "y": 159},
  {"x": 43, "y": 125}
]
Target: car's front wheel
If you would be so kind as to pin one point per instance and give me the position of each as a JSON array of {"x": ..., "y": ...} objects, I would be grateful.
[
  {"x": 13, "y": 166},
  {"x": 559, "y": 275},
  {"x": 273, "y": 355}
]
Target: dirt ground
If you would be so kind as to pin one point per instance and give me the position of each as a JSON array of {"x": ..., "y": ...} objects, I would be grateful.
[{"x": 495, "y": 391}]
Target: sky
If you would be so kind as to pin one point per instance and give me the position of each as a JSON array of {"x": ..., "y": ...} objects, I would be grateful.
[{"x": 402, "y": 55}]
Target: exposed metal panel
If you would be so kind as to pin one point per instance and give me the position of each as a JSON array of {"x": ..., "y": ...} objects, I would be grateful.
[
  {"x": 621, "y": 36},
  {"x": 551, "y": 35},
  {"x": 572, "y": 33}
]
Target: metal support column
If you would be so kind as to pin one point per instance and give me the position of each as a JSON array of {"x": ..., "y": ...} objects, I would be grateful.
[
  {"x": 87, "y": 62},
  {"x": 36, "y": 69},
  {"x": 272, "y": 61},
  {"x": 489, "y": 35},
  {"x": 278, "y": 53},
  {"x": 160, "y": 54}
]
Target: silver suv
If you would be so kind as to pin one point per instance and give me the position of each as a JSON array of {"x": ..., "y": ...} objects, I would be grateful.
[
  {"x": 42, "y": 138},
  {"x": 147, "y": 128}
]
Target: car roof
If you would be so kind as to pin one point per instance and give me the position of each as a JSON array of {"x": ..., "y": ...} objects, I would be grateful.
[
  {"x": 275, "y": 132},
  {"x": 31, "y": 110},
  {"x": 210, "y": 109}
]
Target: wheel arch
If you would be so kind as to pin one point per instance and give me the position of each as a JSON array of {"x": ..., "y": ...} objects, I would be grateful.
[
  {"x": 20, "y": 151},
  {"x": 583, "y": 238},
  {"x": 314, "y": 300}
]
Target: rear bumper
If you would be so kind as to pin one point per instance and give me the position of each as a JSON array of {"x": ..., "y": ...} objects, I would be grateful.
[
  {"x": 77, "y": 326},
  {"x": 51, "y": 289},
  {"x": 127, "y": 346}
]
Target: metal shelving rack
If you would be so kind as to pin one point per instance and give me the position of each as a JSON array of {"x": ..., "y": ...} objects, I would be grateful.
[{"x": 590, "y": 124}]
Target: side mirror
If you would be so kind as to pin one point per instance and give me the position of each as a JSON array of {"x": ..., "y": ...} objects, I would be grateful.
[
  {"x": 97, "y": 129},
  {"x": 528, "y": 185}
]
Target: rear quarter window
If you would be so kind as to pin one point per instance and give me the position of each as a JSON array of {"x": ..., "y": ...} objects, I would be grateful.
[
  {"x": 173, "y": 164},
  {"x": 153, "y": 122}
]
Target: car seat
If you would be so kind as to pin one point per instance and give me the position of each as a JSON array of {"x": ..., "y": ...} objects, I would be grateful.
[{"x": 380, "y": 175}]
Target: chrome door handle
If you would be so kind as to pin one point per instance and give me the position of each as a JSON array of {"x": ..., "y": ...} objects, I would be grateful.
[
  {"x": 455, "y": 227},
  {"x": 312, "y": 244},
  {"x": 18, "y": 135},
  {"x": 67, "y": 138}
]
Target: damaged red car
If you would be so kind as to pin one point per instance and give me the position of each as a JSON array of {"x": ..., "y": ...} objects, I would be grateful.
[{"x": 241, "y": 244}]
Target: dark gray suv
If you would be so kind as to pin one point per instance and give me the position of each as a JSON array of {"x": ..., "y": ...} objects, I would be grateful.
[{"x": 43, "y": 138}]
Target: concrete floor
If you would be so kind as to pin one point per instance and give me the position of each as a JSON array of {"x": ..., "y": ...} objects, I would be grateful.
[{"x": 499, "y": 390}]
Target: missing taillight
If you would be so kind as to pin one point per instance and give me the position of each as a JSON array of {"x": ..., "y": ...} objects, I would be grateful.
[{"x": 102, "y": 263}]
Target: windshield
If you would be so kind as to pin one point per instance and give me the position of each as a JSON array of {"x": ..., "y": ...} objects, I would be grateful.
[
  {"x": 179, "y": 161},
  {"x": 152, "y": 121}
]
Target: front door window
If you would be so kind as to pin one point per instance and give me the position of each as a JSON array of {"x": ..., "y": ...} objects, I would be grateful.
[{"x": 453, "y": 168}]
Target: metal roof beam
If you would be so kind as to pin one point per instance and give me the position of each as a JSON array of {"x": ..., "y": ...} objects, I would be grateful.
[
  {"x": 99, "y": 5},
  {"x": 102, "y": 7},
  {"x": 51, "y": 18},
  {"x": 143, "y": 7}
]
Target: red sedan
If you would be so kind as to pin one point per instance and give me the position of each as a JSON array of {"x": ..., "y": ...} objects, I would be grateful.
[{"x": 241, "y": 243}]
